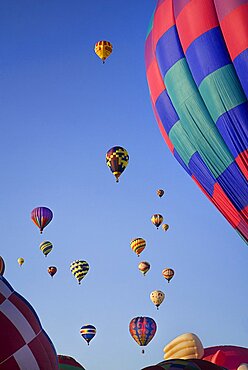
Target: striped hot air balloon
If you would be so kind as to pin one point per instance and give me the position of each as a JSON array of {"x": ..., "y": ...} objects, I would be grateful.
[
  {"x": 41, "y": 216},
  {"x": 168, "y": 274},
  {"x": 79, "y": 269},
  {"x": 88, "y": 332},
  {"x": 144, "y": 267},
  {"x": 157, "y": 220},
  {"x": 138, "y": 245},
  {"x": 46, "y": 247},
  {"x": 197, "y": 65}
]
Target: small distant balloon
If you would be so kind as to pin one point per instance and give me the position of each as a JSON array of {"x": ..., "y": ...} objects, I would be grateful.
[
  {"x": 103, "y": 49},
  {"x": 41, "y": 216},
  {"x": 117, "y": 160},
  {"x": 157, "y": 297},
  {"x": 157, "y": 220},
  {"x": 2, "y": 266},
  {"x": 46, "y": 247},
  {"x": 165, "y": 227},
  {"x": 20, "y": 261},
  {"x": 88, "y": 332},
  {"x": 138, "y": 245},
  {"x": 168, "y": 274},
  {"x": 160, "y": 193},
  {"x": 52, "y": 270},
  {"x": 144, "y": 267},
  {"x": 79, "y": 269}
]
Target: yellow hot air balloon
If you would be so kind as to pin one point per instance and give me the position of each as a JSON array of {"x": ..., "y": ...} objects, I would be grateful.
[
  {"x": 157, "y": 220},
  {"x": 144, "y": 267},
  {"x": 160, "y": 193},
  {"x": 117, "y": 160},
  {"x": 138, "y": 245},
  {"x": 168, "y": 274},
  {"x": 157, "y": 297},
  {"x": 20, "y": 261},
  {"x": 103, "y": 49},
  {"x": 184, "y": 347},
  {"x": 165, "y": 227}
]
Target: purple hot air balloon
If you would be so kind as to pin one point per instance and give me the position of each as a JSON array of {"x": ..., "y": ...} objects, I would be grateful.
[{"x": 41, "y": 216}]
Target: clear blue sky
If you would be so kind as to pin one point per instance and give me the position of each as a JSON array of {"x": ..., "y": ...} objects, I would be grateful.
[{"x": 61, "y": 110}]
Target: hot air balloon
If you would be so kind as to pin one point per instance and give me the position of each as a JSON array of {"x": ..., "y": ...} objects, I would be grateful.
[
  {"x": 24, "y": 343},
  {"x": 79, "y": 269},
  {"x": 157, "y": 297},
  {"x": 138, "y": 245},
  {"x": 165, "y": 227},
  {"x": 197, "y": 77},
  {"x": 168, "y": 274},
  {"x": 103, "y": 49},
  {"x": 20, "y": 261},
  {"x": 68, "y": 363},
  {"x": 46, "y": 247},
  {"x": 192, "y": 364},
  {"x": 117, "y": 160},
  {"x": 157, "y": 220},
  {"x": 142, "y": 329},
  {"x": 88, "y": 332},
  {"x": 52, "y": 270},
  {"x": 41, "y": 216},
  {"x": 2, "y": 266},
  {"x": 160, "y": 193},
  {"x": 185, "y": 346},
  {"x": 144, "y": 267}
]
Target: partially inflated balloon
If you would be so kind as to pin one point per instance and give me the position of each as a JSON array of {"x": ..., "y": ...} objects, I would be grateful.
[
  {"x": 168, "y": 274},
  {"x": 117, "y": 160},
  {"x": 160, "y": 193},
  {"x": 20, "y": 261},
  {"x": 157, "y": 297},
  {"x": 197, "y": 64},
  {"x": 79, "y": 269},
  {"x": 157, "y": 220},
  {"x": 88, "y": 332},
  {"x": 103, "y": 49},
  {"x": 68, "y": 363},
  {"x": 2, "y": 266},
  {"x": 138, "y": 245},
  {"x": 144, "y": 267},
  {"x": 52, "y": 270},
  {"x": 185, "y": 346},
  {"x": 46, "y": 247},
  {"x": 142, "y": 329},
  {"x": 24, "y": 343},
  {"x": 41, "y": 216}
]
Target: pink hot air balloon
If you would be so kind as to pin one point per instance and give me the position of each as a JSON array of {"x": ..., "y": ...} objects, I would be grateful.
[
  {"x": 41, "y": 216},
  {"x": 24, "y": 343}
]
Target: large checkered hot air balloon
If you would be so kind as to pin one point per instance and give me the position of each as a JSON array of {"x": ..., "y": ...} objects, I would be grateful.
[
  {"x": 197, "y": 66},
  {"x": 24, "y": 343}
]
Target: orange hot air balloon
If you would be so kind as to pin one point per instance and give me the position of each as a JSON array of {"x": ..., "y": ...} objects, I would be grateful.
[
  {"x": 168, "y": 274},
  {"x": 144, "y": 267}
]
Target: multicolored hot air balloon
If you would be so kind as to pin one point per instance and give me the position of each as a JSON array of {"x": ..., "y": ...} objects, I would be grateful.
[
  {"x": 88, "y": 332},
  {"x": 52, "y": 270},
  {"x": 168, "y": 274},
  {"x": 142, "y": 329},
  {"x": 79, "y": 269},
  {"x": 68, "y": 363},
  {"x": 103, "y": 49},
  {"x": 2, "y": 266},
  {"x": 138, "y": 245},
  {"x": 157, "y": 220},
  {"x": 117, "y": 160},
  {"x": 160, "y": 193},
  {"x": 24, "y": 343},
  {"x": 41, "y": 216},
  {"x": 144, "y": 267},
  {"x": 197, "y": 77},
  {"x": 165, "y": 227},
  {"x": 20, "y": 261},
  {"x": 46, "y": 247},
  {"x": 157, "y": 297}
]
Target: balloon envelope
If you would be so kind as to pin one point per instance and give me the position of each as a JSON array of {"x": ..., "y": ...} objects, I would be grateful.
[
  {"x": 117, "y": 160},
  {"x": 24, "y": 343},
  {"x": 79, "y": 269},
  {"x": 2, "y": 266},
  {"x": 138, "y": 245},
  {"x": 88, "y": 332},
  {"x": 103, "y": 49},
  {"x": 197, "y": 77},
  {"x": 41, "y": 216},
  {"x": 20, "y": 261},
  {"x": 144, "y": 267},
  {"x": 68, "y": 363},
  {"x": 157, "y": 220},
  {"x": 52, "y": 270},
  {"x": 142, "y": 330},
  {"x": 46, "y": 247},
  {"x": 168, "y": 274}
]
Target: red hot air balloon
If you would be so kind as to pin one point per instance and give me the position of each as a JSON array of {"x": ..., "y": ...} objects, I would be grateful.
[
  {"x": 41, "y": 216},
  {"x": 24, "y": 343},
  {"x": 142, "y": 329},
  {"x": 196, "y": 66},
  {"x": 52, "y": 270}
]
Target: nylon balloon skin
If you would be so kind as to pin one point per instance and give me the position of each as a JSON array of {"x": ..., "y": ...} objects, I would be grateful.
[
  {"x": 88, "y": 332},
  {"x": 46, "y": 247},
  {"x": 198, "y": 96},
  {"x": 157, "y": 220},
  {"x": 68, "y": 363},
  {"x": 138, "y": 245},
  {"x": 41, "y": 216},
  {"x": 142, "y": 329},
  {"x": 103, "y": 49},
  {"x": 52, "y": 270},
  {"x": 117, "y": 160},
  {"x": 168, "y": 274},
  {"x": 144, "y": 267},
  {"x": 2, "y": 266},
  {"x": 79, "y": 269},
  {"x": 20, "y": 261}
]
